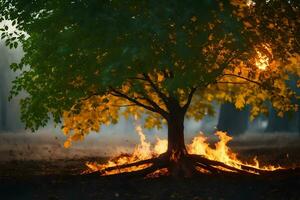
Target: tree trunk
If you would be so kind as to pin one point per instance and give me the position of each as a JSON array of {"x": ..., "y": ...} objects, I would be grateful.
[
  {"x": 285, "y": 124},
  {"x": 176, "y": 133},
  {"x": 232, "y": 120},
  {"x": 179, "y": 164}
]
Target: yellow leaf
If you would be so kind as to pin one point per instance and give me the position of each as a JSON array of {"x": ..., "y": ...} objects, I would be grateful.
[
  {"x": 160, "y": 77},
  {"x": 76, "y": 137},
  {"x": 194, "y": 19},
  {"x": 240, "y": 102},
  {"x": 271, "y": 26},
  {"x": 67, "y": 144},
  {"x": 247, "y": 24}
]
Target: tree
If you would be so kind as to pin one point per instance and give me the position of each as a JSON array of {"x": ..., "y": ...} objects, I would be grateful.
[
  {"x": 87, "y": 63},
  {"x": 9, "y": 111},
  {"x": 3, "y": 86},
  {"x": 290, "y": 121},
  {"x": 232, "y": 120},
  {"x": 287, "y": 123}
]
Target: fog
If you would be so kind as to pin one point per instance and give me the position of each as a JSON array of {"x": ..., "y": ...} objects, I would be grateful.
[
  {"x": 47, "y": 143},
  {"x": 9, "y": 110}
]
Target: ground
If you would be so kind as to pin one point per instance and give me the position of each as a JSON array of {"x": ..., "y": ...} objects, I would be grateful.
[{"x": 61, "y": 179}]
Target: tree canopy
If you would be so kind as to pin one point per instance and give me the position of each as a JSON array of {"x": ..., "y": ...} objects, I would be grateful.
[{"x": 88, "y": 62}]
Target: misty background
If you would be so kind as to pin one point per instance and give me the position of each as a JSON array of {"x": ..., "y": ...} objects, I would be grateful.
[{"x": 16, "y": 143}]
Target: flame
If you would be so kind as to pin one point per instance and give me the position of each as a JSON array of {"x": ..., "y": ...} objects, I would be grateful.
[
  {"x": 141, "y": 152},
  {"x": 222, "y": 152},
  {"x": 199, "y": 145},
  {"x": 160, "y": 146}
]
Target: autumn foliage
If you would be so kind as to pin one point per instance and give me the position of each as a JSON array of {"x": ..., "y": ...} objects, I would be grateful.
[{"x": 88, "y": 63}]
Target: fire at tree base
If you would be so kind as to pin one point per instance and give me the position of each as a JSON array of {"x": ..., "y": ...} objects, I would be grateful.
[{"x": 198, "y": 158}]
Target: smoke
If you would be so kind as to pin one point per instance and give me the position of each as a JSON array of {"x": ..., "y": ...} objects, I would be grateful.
[{"x": 47, "y": 144}]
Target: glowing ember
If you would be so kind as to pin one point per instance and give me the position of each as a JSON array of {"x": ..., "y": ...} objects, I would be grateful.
[{"x": 158, "y": 173}]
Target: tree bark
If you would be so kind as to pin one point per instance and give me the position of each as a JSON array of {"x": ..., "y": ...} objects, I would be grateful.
[
  {"x": 285, "y": 124},
  {"x": 232, "y": 120},
  {"x": 176, "y": 133},
  {"x": 177, "y": 155}
]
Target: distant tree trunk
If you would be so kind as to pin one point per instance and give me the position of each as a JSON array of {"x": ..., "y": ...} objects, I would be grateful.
[
  {"x": 2, "y": 106},
  {"x": 290, "y": 122},
  {"x": 3, "y": 87},
  {"x": 281, "y": 124},
  {"x": 9, "y": 111},
  {"x": 232, "y": 120},
  {"x": 299, "y": 121}
]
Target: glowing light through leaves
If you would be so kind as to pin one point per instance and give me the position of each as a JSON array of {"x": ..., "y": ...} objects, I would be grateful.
[
  {"x": 262, "y": 61},
  {"x": 263, "y": 56}
]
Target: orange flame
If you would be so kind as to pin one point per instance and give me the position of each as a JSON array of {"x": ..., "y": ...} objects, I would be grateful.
[
  {"x": 160, "y": 146},
  {"x": 221, "y": 152}
]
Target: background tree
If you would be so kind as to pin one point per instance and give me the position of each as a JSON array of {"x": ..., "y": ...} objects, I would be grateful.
[
  {"x": 9, "y": 110},
  {"x": 232, "y": 120},
  {"x": 84, "y": 61},
  {"x": 290, "y": 121}
]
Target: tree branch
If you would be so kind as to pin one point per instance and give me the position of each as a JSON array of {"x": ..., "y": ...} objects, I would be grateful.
[
  {"x": 148, "y": 98},
  {"x": 245, "y": 78},
  {"x": 190, "y": 96},
  {"x": 90, "y": 96},
  {"x": 269, "y": 88},
  {"x": 217, "y": 72},
  {"x": 125, "y": 105},
  {"x": 229, "y": 82},
  {"x": 156, "y": 89},
  {"x": 155, "y": 105},
  {"x": 120, "y": 94}
]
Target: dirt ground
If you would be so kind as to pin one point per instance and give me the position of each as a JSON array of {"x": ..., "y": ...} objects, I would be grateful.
[{"x": 61, "y": 179}]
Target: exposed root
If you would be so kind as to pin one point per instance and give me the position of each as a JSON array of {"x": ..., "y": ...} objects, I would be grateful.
[
  {"x": 119, "y": 167},
  {"x": 208, "y": 168},
  {"x": 214, "y": 166},
  {"x": 144, "y": 172},
  {"x": 185, "y": 166}
]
